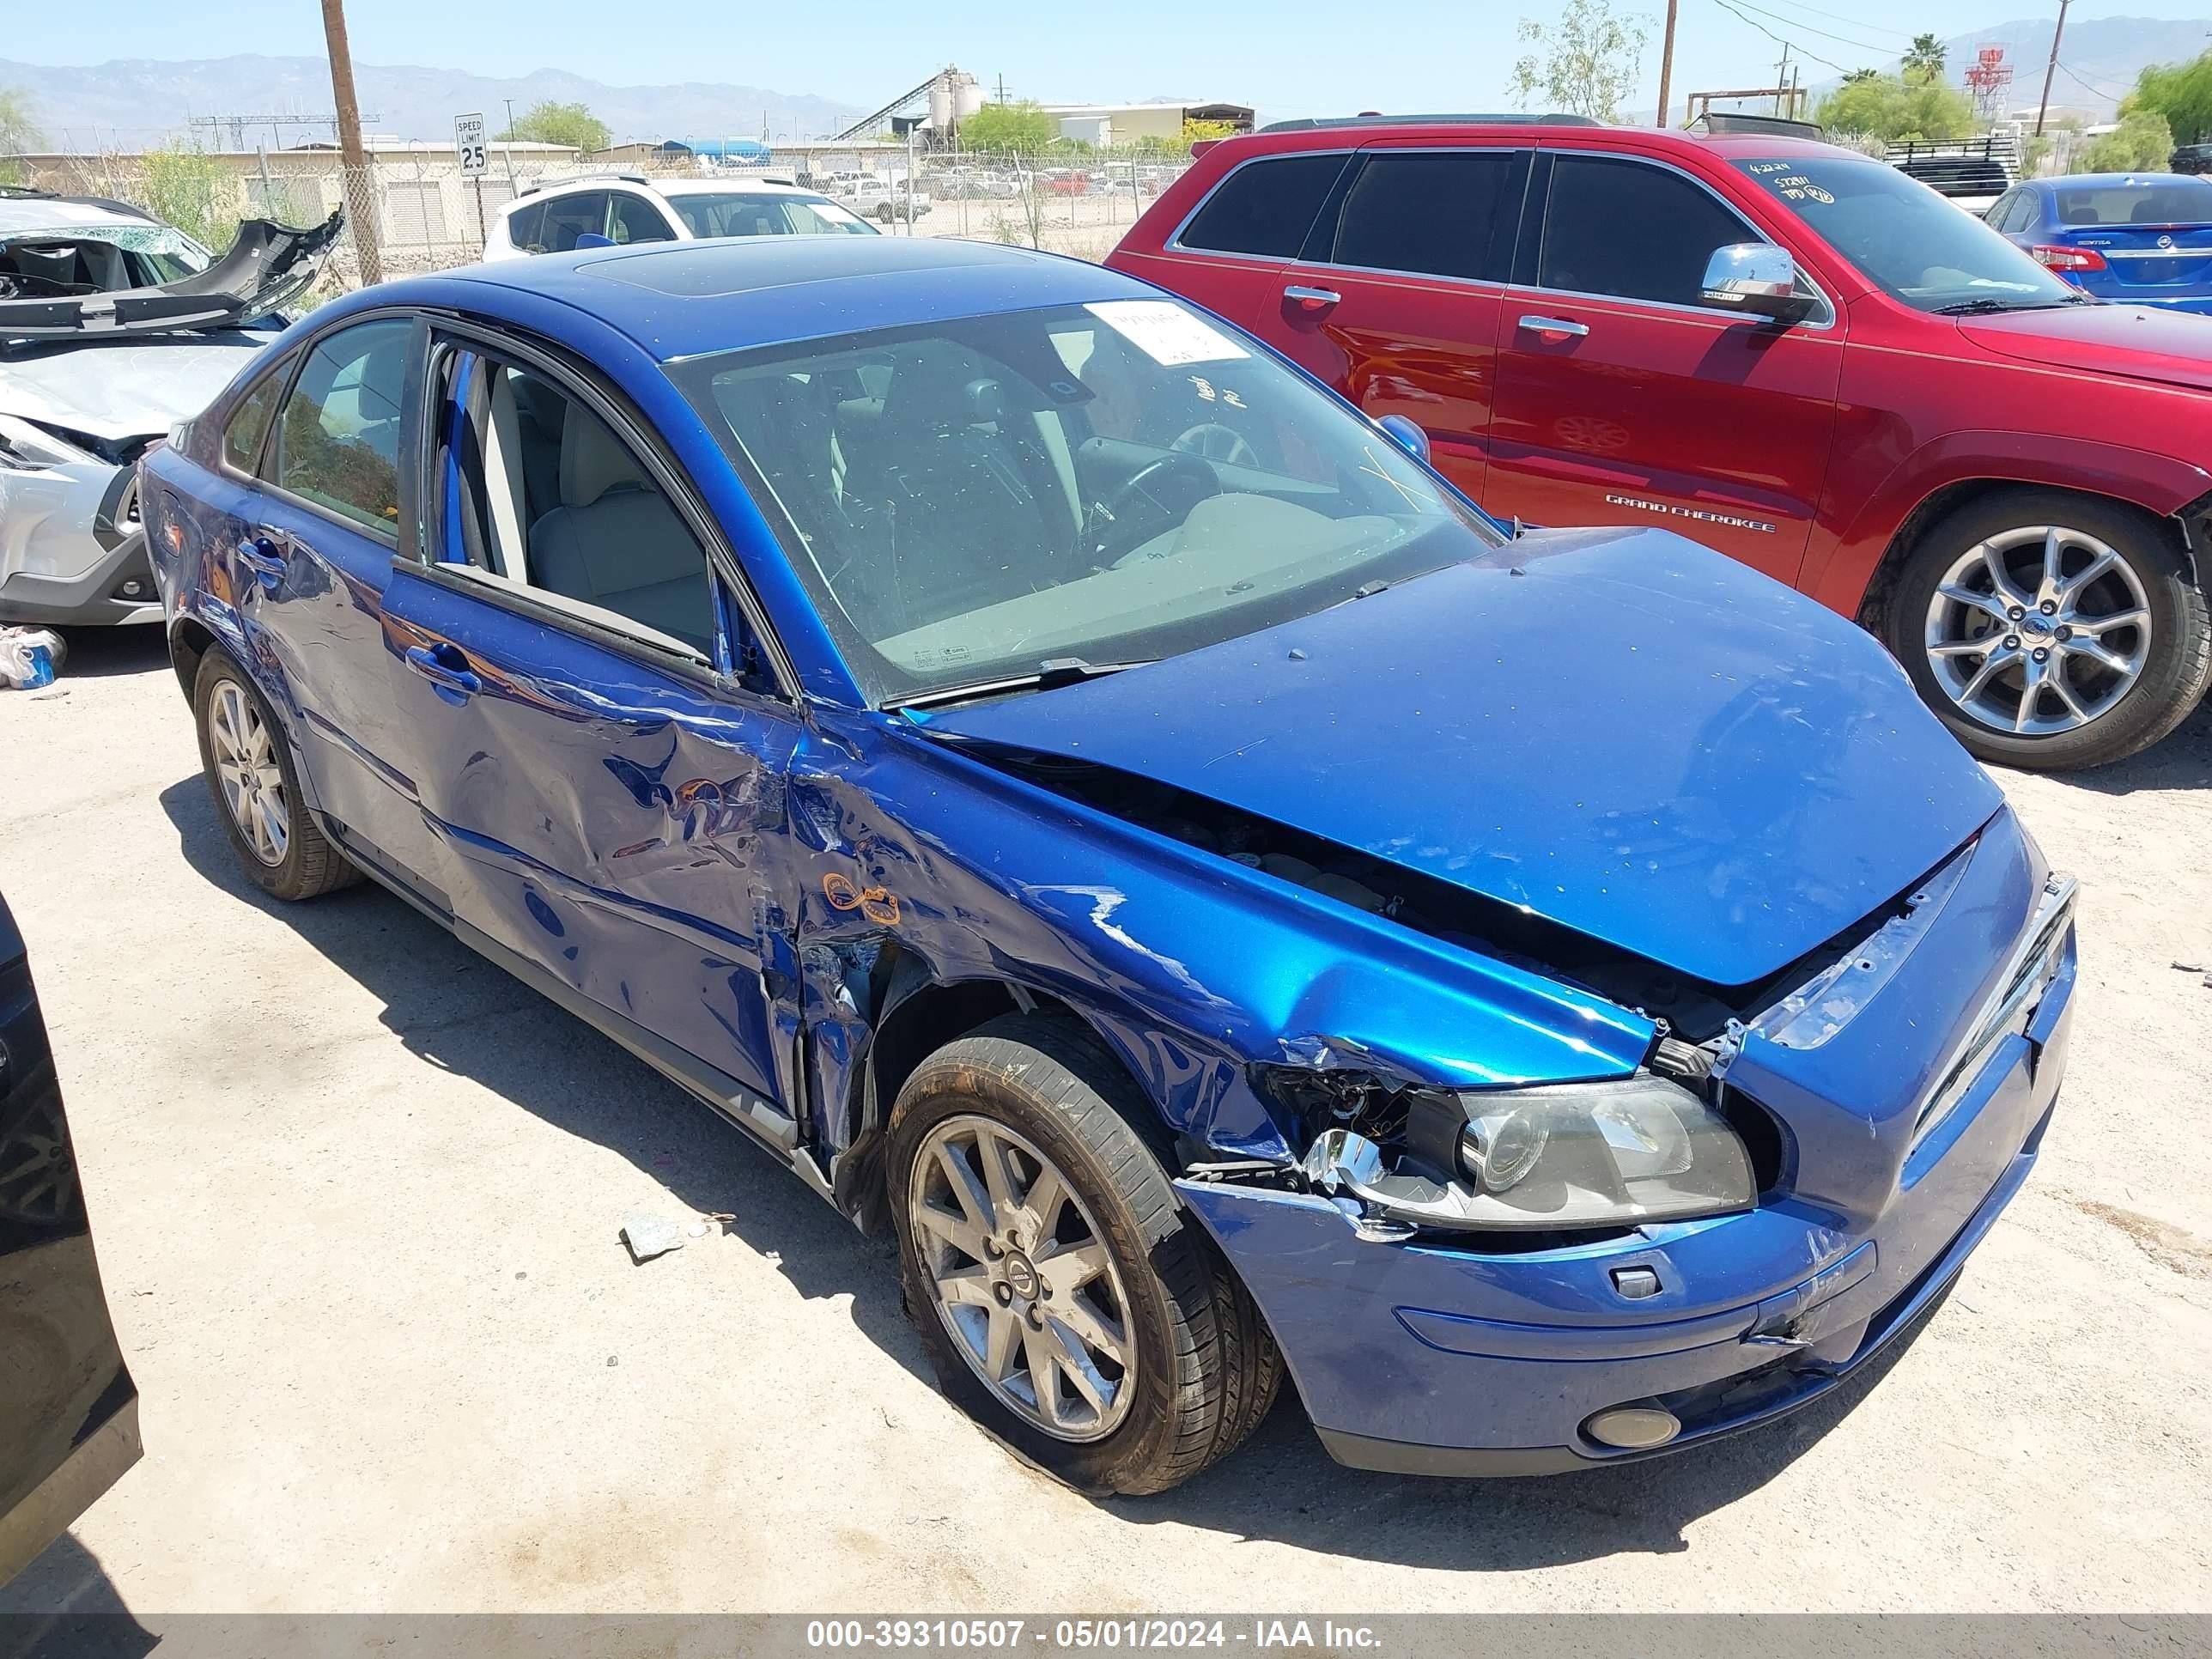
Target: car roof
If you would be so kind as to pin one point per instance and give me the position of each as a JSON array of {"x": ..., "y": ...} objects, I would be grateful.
[
  {"x": 2112, "y": 180},
  {"x": 1554, "y": 132},
  {"x": 683, "y": 299},
  {"x": 42, "y": 212},
  {"x": 725, "y": 187}
]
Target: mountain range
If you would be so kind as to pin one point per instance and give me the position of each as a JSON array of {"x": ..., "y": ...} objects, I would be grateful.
[
  {"x": 130, "y": 103},
  {"x": 2099, "y": 57}
]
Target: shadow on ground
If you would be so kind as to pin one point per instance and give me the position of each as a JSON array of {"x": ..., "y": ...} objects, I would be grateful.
[
  {"x": 2181, "y": 761},
  {"x": 98, "y": 652},
  {"x": 64, "y": 1603},
  {"x": 457, "y": 1012}
]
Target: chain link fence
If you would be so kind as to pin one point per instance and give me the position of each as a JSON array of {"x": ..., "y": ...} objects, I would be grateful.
[{"x": 413, "y": 210}]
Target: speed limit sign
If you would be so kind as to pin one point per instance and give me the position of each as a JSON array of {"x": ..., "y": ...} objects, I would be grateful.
[{"x": 469, "y": 143}]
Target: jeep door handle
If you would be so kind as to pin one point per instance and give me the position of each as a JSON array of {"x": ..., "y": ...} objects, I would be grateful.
[
  {"x": 445, "y": 667},
  {"x": 258, "y": 553},
  {"x": 1311, "y": 299},
  {"x": 1555, "y": 328}
]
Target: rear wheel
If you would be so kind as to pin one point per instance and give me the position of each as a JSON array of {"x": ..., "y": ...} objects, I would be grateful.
[
  {"x": 257, "y": 789},
  {"x": 1066, "y": 1301},
  {"x": 2050, "y": 630}
]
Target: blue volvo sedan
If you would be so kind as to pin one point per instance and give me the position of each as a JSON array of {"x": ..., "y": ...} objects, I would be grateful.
[{"x": 1085, "y": 798}]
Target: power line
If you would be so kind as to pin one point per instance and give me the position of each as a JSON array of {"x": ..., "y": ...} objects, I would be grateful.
[
  {"x": 1838, "y": 17},
  {"x": 1825, "y": 34},
  {"x": 1771, "y": 35},
  {"x": 2091, "y": 86}
]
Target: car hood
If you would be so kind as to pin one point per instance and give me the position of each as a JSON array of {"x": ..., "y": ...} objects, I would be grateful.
[
  {"x": 1620, "y": 730},
  {"x": 121, "y": 389},
  {"x": 267, "y": 266},
  {"x": 2144, "y": 343}
]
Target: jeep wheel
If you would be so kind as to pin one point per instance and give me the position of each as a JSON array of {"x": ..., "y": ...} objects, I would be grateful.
[
  {"x": 1067, "y": 1300},
  {"x": 2050, "y": 630}
]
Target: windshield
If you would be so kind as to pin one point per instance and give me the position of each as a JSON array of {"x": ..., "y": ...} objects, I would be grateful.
[
  {"x": 1906, "y": 239},
  {"x": 65, "y": 260},
  {"x": 759, "y": 213},
  {"x": 2135, "y": 202},
  {"x": 1116, "y": 483}
]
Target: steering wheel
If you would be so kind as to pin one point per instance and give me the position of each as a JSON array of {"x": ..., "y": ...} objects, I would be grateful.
[
  {"x": 1217, "y": 442},
  {"x": 1157, "y": 496}
]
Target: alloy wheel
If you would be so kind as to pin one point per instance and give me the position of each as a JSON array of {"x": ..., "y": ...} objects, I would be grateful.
[
  {"x": 1022, "y": 1278},
  {"x": 245, "y": 751},
  {"x": 2039, "y": 630}
]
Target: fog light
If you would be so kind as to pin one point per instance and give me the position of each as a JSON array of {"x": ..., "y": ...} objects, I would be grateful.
[{"x": 1634, "y": 1428}]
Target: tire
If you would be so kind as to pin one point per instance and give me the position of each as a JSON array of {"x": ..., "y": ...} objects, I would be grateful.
[
  {"x": 305, "y": 864},
  {"x": 1201, "y": 1368},
  {"x": 2100, "y": 715}
]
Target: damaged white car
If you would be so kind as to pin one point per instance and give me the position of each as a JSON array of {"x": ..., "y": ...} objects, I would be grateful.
[{"x": 113, "y": 327}]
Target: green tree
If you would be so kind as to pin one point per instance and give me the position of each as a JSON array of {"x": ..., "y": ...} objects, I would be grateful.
[
  {"x": 187, "y": 187},
  {"x": 560, "y": 124},
  {"x": 2182, "y": 93},
  {"x": 1022, "y": 128},
  {"x": 1890, "y": 107},
  {"x": 2140, "y": 143},
  {"x": 18, "y": 133},
  {"x": 1925, "y": 61},
  {"x": 1857, "y": 74},
  {"x": 1585, "y": 62}
]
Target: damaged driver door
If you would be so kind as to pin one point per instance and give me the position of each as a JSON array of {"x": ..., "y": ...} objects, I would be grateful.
[{"x": 599, "y": 750}]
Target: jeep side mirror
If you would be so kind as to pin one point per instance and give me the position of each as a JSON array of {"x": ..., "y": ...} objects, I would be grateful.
[{"x": 1757, "y": 278}]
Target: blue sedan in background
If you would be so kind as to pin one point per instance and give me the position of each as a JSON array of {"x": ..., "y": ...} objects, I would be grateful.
[
  {"x": 2143, "y": 238},
  {"x": 1077, "y": 793}
]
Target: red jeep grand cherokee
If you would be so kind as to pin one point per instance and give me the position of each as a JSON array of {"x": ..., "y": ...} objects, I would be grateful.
[{"x": 1792, "y": 353}]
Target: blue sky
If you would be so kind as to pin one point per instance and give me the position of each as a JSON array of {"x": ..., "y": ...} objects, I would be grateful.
[{"x": 1287, "y": 57}]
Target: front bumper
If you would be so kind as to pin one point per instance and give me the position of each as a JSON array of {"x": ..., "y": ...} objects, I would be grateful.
[
  {"x": 72, "y": 552},
  {"x": 1444, "y": 1360}
]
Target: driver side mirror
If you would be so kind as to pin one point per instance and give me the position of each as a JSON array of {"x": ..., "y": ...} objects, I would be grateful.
[
  {"x": 1406, "y": 435},
  {"x": 1757, "y": 279}
]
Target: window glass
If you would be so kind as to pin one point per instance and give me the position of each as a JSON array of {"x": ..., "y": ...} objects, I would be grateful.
[
  {"x": 633, "y": 219},
  {"x": 2022, "y": 212},
  {"x": 1434, "y": 213},
  {"x": 337, "y": 444},
  {"x": 249, "y": 422},
  {"x": 568, "y": 217},
  {"x": 1264, "y": 207},
  {"x": 2136, "y": 202},
  {"x": 1636, "y": 232},
  {"x": 760, "y": 214},
  {"x": 539, "y": 490},
  {"x": 1918, "y": 248},
  {"x": 1118, "y": 481},
  {"x": 525, "y": 227}
]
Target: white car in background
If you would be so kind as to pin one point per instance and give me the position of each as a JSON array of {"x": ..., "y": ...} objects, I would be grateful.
[
  {"x": 628, "y": 207},
  {"x": 883, "y": 200},
  {"x": 113, "y": 327}
]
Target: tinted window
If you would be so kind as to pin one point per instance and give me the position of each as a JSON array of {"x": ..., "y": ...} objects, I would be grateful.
[
  {"x": 759, "y": 214},
  {"x": 2138, "y": 202},
  {"x": 538, "y": 490},
  {"x": 1439, "y": 214},
  {"x": 249, "y": 422},
  {"x": 1264, "y": 207},
  {"x": 1637, "y": 232},
  {"x": 525, "y": 226},
  {"x": 337, "y": 444},
  {"x": 633, "y": 219},
  {"x": 568, "y": 217}
]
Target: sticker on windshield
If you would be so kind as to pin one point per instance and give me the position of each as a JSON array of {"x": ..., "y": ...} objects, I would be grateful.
[
  {"x": 1796, "y": 187},
  {"x": 1165, "y": 332}
]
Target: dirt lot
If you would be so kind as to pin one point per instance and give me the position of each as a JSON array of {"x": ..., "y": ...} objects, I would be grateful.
[{"x": 356, "y": 1197}]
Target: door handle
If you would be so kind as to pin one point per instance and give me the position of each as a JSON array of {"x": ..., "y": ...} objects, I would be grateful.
[
  {"x": 445, "y": 667},
  {"x": 1555, "y": 328},
  {"x": 258, "y": 553},
  {"x": 1311, "y": 299}
]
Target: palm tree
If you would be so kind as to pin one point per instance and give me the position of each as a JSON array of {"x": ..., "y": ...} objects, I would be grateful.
[
  {"x": 1862, "y": 75},
  {"x": 1925, "y": 61}
]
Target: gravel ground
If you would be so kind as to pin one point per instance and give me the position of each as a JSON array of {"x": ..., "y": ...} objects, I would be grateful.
[{"x": 356, "y": 1196}]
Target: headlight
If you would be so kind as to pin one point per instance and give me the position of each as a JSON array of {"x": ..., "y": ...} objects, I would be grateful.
[
  {"x": 1562, "y": 1157},
  {"x": 28, "y": 448},
  {"x": 1599, "y": 1154}
]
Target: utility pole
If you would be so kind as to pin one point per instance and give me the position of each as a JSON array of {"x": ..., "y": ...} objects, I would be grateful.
[
  {"x": 1667, "y": 62},
  {"x": 2051, "y": 68},
  {"x": 1781, "y": 76},
  {"x": 360, "y": 189}
]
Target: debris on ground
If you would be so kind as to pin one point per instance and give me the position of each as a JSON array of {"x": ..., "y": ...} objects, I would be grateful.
[
  {"x": 29, "y": 658},
  {"x": 2190, "y": 968},
  {"x": 649, "y": 1235}
]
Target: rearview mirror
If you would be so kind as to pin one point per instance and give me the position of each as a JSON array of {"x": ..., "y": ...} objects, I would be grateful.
[
  {"x": 1407, "y": 434},
  {"x": 1757, "y": 278}
]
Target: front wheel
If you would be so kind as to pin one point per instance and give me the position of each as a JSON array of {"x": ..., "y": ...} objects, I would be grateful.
[
  {"x": 1066, "y": 1301},
  {"x": 2050, "y": 630}
]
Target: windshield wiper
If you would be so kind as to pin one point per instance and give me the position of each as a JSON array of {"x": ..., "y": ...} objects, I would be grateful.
[
  {"x": 1988, "y": 307},
  {"x": 1050, "y": 674}
]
